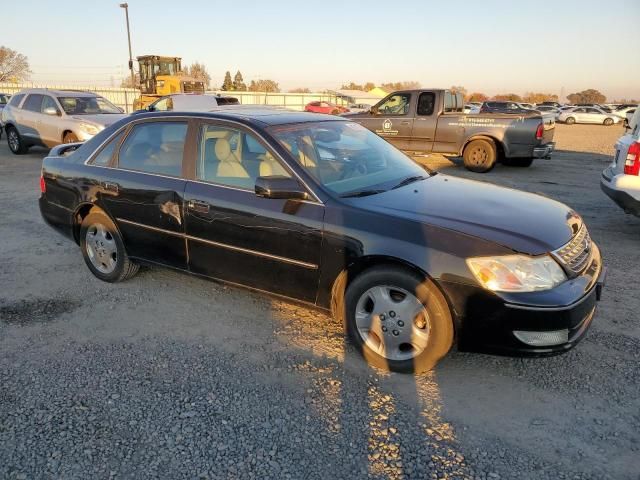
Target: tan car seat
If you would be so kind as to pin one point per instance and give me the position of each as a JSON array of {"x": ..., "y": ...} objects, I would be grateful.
[
  {"x": 269, "y": 166},
  {"x": 229, "y": 165}
]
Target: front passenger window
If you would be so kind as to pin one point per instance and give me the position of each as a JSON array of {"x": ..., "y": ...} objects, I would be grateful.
[
  {"x": 154, "y": 147},
  {"x": 232, "y": 157}
]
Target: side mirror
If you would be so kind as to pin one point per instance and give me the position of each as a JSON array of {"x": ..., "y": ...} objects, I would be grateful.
[
  {"x": 51, "y": 111},
  {"x": 278, "y": 186},
  {"x": 150, "y": 108}
]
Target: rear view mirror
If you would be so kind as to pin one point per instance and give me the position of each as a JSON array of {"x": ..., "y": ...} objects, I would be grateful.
[
  {"x": 51, "y": 111},
  {"x": 278, "y": 186}
]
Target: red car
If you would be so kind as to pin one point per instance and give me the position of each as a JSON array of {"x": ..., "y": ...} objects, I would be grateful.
[{"x": 325, "y": 107}]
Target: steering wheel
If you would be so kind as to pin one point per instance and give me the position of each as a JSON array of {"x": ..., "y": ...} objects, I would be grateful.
[{"x": 357, "y": 166}]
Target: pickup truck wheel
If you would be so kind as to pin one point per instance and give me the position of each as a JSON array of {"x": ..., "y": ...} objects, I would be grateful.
[
  {"x": 15, "y": 141},
  {"x": 479, "y": 155},
  {"x": 103, "y": 249},
  {"x": 398, "y": 320},
  {"x": 518, "y": 162},
  {"x": 570, "y": 121},
  {"x": 608, "y": 121}
]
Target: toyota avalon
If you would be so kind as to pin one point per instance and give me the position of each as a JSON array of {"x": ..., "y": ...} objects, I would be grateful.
[{"x": 320, "y": 210}]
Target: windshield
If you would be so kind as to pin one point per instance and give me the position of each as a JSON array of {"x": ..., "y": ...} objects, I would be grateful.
[
  {"x": 347, "y": 158},
  {"x": 87, "y": 105}
]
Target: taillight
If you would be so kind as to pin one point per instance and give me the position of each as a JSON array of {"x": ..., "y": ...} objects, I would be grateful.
[
  {"x": 43, "y": 186},
  {"x": 632, "y": 162},
  {"x": 540, "y": 131}
]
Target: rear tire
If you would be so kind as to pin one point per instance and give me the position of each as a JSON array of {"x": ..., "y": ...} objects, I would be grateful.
[
  {"x": 15, "y": 141},
  {"x": 608, "y": 122},
  {"x": 570, "y": 121},
  {"x": 398, "y": 319},
  {"x": 518, "y": 162},
  {"x": 335, "y": 111},
  {"x": 479, "y": 155},
  {"x": 70, "y": 137},
  {"x": 103, "y": 249}
]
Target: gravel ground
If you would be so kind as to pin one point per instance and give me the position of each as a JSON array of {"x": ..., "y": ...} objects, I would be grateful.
[{"x": 168, "y": 376}]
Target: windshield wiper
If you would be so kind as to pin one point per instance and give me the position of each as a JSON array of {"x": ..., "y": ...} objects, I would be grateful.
[
  {"x": 408, "y": 180},
  {"x": 362, "y": 193}
]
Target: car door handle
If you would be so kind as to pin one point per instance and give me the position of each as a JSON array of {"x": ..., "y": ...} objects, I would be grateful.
[
  {"x": 198, "y": 206},
  {"x": 110, "y": 186},
  {"x": 405, "y": 123}
]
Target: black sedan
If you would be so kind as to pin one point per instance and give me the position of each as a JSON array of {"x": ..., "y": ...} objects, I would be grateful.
[{"x": 321, "y": 210}]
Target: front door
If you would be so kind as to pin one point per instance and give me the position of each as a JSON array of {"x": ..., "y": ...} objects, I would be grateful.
[
  {"x": 234, "y": 235},
  {"x": 144, "y": 191},
  {"x": 392, "y": 119}
]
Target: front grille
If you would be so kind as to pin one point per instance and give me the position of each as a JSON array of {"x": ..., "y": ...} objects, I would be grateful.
[{"x": 575, "y": 255}]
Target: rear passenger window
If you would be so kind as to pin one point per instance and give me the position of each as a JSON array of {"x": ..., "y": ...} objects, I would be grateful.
[
  {"x": 426, "y": 102},
  {"x": 106, "y": 154},
  {"x": 16, "y": 99},
  {"x": 154, "y": 147},
  {"x": 33, "y": 103},
  {"x": 231, "y": 157}
]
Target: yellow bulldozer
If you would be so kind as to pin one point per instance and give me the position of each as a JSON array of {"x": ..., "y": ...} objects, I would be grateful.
[{"x": 161, "y": 76}]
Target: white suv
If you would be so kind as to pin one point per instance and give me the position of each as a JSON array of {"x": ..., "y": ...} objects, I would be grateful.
[{"x": 621, "y": 180}]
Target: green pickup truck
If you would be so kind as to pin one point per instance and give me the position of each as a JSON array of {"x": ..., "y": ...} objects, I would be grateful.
[{"x": 432, "y": 120}]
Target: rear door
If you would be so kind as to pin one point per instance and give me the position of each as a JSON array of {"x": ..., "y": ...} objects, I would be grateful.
[
  {"x": 30, "y": 115},
  {"x": 392, "y": 119},
  {"x": 143, "y": 190},
  {"x": 424, "y": 125},
  {"x": 234, "y": 235}
]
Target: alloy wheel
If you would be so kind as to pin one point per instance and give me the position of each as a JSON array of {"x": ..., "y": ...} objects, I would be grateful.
[
  {"x": 101, "y": 248},
  {"x": 392, "y": 322}
]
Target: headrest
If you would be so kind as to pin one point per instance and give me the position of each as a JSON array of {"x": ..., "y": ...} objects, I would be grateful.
[{"x": 223, "y": 149}]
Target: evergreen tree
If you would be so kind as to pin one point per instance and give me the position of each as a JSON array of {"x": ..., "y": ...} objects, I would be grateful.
[
  {"x": 238, "y": 82},
  {"x": 228, "y": 84}
]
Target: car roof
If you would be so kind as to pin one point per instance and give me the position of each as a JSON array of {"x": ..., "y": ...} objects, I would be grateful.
[
  {"x": 61, "y": 92},
  {"x": 251, "y": 114}
]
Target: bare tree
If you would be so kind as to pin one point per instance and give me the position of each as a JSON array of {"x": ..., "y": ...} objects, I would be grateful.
[
  {"x": 406, "y": 85},
  {"x": 264, "y": 85},
  {"x": 300, "y": 90},
  {"x": 14, "y": 67},
  {"x": 459, "y": 89},
  {"x": 477, "y": 97},
  {"x": 532, "y": 97},
  {"x": 590, "y": 95},
  {"x": 126, "y": 82},
  {"x": 199, "y": 72}
]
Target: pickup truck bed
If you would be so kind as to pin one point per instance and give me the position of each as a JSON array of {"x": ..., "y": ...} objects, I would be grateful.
[{"x": 431, "y": 120}]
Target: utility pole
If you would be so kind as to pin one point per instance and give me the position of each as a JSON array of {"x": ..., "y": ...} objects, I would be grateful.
[{"x": 126, "y": 12}]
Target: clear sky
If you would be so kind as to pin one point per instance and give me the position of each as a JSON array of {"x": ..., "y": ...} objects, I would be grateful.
[{"x": 492, "y": 46}]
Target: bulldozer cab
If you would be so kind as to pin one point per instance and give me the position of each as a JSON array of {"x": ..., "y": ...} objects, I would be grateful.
[{"x": 163, "y": 76}]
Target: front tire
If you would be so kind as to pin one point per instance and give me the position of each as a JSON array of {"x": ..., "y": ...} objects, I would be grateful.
[
  {"x": 570, "y": 121},
  {"x": 398, "y": 320},
  {"x": 608, "y": 122},
  {"x": 479, "y": 155},
  {"x": 15, "y": 141},
  {"x": 103, "y": 249},
  {"x": 70, "y": 137}
]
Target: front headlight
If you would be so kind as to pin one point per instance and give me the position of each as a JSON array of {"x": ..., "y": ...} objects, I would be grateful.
[
  {"x": 89, "y": 128},
  {"x": 517, "y": 273}
]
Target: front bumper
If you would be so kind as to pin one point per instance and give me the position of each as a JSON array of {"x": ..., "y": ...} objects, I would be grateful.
[
  {"x": 544, "y": 151},
  {"x": 615, "y": 188},
  {"x": 495, "y": 322}
]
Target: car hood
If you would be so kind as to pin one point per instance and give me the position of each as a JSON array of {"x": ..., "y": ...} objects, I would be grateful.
[
  {"x": 103, "y": 119},
  {"x": 523, "y": 222}
]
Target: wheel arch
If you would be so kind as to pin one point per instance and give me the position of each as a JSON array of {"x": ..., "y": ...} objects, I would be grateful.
[
  {"x": 81, "y": 212},
  {"x": 501, "y": 148},
  {"x": 362, "y": 264}
]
